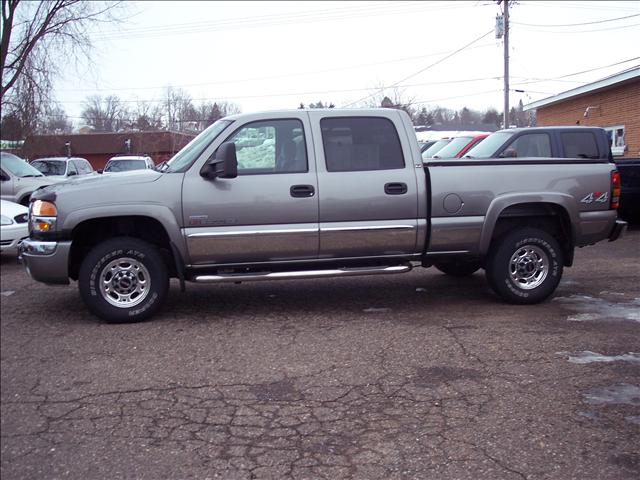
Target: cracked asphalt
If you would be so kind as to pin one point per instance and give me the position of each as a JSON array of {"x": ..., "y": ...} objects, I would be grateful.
[{"x": 414, "y": 376}]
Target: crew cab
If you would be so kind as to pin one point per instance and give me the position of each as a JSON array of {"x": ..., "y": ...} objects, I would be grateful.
[{"x": 316, "y": 193}]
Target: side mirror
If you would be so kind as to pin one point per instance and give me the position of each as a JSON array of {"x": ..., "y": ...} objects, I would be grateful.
[
  {"x": 4, "y": 177},
  {"x": 70, "y": 174},
  {"x": 224, "y": 165},
  {"x": 509, "y": 153},
  {"x": 99, "y": 171}
]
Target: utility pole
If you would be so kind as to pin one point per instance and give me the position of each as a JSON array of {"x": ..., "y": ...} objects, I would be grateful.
[{"x": 506, "y": 63}]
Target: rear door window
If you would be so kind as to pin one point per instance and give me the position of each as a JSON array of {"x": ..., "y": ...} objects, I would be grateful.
[
  {"x": 360, "y": 143},
  {"x": 579, "y": 145}
]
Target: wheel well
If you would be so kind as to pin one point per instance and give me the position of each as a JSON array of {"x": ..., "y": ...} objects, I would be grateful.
[
  {"x": 549, "y": 217},
  {"x": 92, "y": 232}
]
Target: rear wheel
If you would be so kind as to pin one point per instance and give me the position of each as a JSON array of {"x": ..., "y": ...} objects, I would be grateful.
[
  {"x": 525, "y": 266},
  {"x": 458, "y": 268},
  {"x": 123, "y": 280}
]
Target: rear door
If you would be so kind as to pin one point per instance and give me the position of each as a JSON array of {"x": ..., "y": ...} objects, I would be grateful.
[
  {"x": 269, "y": 212},
  {"x": 367, "y": 185}
]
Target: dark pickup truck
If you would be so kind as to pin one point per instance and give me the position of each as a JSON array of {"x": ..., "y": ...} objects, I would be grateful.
[
  {"x": 545, "y": 142},
  {"x": 566, "y": 142}
]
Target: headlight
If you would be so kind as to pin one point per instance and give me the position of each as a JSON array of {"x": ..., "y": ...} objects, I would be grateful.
[
  {"x": 40, "y": 208},
  {"x": 5, "y": 220},
  {"x": 43, "y": 217}
]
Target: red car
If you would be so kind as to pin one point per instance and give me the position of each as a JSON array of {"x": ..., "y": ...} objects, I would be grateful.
[{"x": 457, "y": 147}]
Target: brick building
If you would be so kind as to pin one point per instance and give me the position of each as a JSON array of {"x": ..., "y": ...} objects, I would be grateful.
[
  {"x": 612, "y": 103},
  {"x": 98, "y": 148}
]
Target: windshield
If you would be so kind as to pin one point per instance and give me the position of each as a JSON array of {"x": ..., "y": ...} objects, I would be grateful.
[
  {"x": 124, "y": 165},
  {"x": 453, "y": 147},
  {"x": 51, "y": 167},
  {"x": 18, "y": 167},
  {"x": 488, "y": 147},
  {"x": 433, "y": 149},
  {"x": 195, "y": 147}
]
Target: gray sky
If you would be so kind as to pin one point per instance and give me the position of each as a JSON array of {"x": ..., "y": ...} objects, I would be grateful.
[{"x": 273, "y": 55}]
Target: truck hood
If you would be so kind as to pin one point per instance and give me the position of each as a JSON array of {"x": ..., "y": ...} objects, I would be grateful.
[{"x": 97, "y": 184}]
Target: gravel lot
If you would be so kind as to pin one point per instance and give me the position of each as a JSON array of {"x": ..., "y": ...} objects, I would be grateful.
[{"x": 415, "y": 376}]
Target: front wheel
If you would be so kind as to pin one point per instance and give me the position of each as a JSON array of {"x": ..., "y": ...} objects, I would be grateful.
[
  {"x": 123, "y": 280},
  {"x": 525, "y": 266}
]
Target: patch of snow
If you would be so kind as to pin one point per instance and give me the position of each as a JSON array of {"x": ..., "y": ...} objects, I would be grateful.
[
  {"x": 592, "y": 357},
  {"x": 590, "y": 308},
  {"x": 623, "y": 393}
]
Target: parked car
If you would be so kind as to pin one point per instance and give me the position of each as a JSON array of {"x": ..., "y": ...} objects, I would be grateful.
[
  {"x": 435, "y": 148},
  {"x": 457, "y": 147},
  {"x": 14, "y": 225},
  {"x": 128, "y": 163},
  {"x": 425, "y": 145},
  {"x": 18, "y": 179},
  {"x": 350, "y": 202},
  {"x": 63, "y": 167}
]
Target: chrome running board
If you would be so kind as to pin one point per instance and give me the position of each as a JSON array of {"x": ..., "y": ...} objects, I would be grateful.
[{"x": 339, "y": 272}]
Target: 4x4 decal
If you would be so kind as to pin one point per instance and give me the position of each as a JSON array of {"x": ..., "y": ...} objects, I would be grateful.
[{"x": 598, "y": 197}]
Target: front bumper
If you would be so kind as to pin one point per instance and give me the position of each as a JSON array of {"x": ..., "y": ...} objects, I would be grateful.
[
  {"x": 618, "y": 230},
  {"x": 46, "y": 262}
]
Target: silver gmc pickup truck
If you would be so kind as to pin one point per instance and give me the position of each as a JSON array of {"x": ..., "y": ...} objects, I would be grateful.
[{"x": 304, "y": 194}]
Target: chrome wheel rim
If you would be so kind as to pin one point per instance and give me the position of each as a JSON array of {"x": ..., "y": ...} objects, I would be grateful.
[
  {"x": 124, "y": 282},
  {"x": 528, "y": 267}
]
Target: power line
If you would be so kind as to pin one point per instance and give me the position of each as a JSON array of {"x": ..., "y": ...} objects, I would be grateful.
[
  {"x": 577, "y": 24},
  {"x": 271, "y": 77},
  {"x": 426, "y": 68},
  {"x": 583, "y": 31},
  {"x": 276, "y": 19}
]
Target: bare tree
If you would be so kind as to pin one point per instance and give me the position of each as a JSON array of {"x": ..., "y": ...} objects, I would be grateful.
[
  {"x": 109, "y": 114},
  {"x": 392, "y": 98},
  {"x": 147, "y": 116},
  {"x": 32, "y": 31},
  {"x": 35, "y": 35}
]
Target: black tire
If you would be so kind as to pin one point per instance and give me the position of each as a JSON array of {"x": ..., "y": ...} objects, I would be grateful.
[
  {"x": 525, "y": 266},
  {"x": 123, "y": 280},
  {"x": 458, "y": 268}
]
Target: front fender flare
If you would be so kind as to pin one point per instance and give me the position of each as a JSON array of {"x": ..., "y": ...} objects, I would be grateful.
[{"x": 164, "y": 215}]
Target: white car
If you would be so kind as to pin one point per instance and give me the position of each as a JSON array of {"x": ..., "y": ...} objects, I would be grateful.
[
  {"x": 126, "y": 163},
  {"x": 14, "y": 225}
]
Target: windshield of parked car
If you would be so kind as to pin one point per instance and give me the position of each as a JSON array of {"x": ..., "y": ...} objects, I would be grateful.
[
  {"x": 435, "y": 148},
  {"x": 18, "y": 167},
  {"x": 51, "y": 167},
  {"x": 185, "y": 157},
  {"x": 124, "y": 165},
  {"x": 488, "y": 147},
  {"x": 453, "y": 147}
]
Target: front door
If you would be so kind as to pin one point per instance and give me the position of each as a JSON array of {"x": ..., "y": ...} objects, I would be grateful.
[{"x": 269, "y": 212}]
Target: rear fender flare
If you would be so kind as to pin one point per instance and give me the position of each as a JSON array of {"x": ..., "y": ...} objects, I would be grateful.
[{"x": 499, "y": 204}]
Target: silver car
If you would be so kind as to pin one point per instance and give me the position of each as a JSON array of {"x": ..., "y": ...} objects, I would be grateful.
[
  {"x": 61, "y": 168},
  {"x": 18, "y": 179}
]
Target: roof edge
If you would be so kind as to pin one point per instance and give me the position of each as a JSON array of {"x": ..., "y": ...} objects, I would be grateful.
[{"x": 603, "y": 83}]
